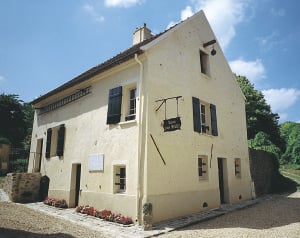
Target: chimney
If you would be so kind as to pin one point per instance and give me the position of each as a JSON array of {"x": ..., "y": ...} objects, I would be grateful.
[{"x": 141, "y": 34}]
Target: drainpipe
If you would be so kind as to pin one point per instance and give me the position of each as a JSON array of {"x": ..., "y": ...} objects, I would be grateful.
[{"x": 139, "y": 174}]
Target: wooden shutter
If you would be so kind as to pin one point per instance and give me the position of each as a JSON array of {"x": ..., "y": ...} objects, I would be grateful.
[
  {"x": 114, "y": 105},
  {"x": 196, "y": 114},
  {"x": 213, "y": 114},
  {"x": 48, "y": 142},
  {"x": 60, "y": 140}
]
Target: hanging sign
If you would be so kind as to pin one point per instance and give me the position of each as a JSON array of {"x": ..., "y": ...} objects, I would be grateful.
[{"x": 172, "y": 124}]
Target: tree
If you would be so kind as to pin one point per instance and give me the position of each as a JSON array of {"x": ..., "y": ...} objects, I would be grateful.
[
  {"x": 16, "y": 119},
  {"x": 259, "y": 115},
  {"x": 290, "y": 132},
  {"x": 262, "y": 141}
]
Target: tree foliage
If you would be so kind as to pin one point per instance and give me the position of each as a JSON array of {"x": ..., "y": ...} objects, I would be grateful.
[
  {"x": 16, "y": 119},
  {"x": 259, "y": 116},
  {"x": 262, "y": 141},
  {"x": 290, "y": 132}
]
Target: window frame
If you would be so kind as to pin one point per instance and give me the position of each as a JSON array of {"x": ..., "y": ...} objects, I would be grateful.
[
  {"x": 237, "y": 167},
  {"x": 122, "y": 105},
  {"x": 204, "y": 62},
  {"x": 202, "y": 167},
  {"x": 131, "y": 101},
  {"x": 55, "y": 141},
  {"x": 204, "y": 122},
  {"x": 120, "y": 178}
]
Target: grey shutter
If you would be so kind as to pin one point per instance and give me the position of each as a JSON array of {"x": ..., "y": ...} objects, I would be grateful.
[
  {"x": 196, "y": 114},
  {"x": 214, "y": 125},
  {"x": 60, "y": 140},
  {"x": 48, "y": 142},
  {"x": 114, "y": 105}
]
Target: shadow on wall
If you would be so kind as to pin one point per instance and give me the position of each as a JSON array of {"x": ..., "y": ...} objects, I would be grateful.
[{"x": 5, "y": 232}]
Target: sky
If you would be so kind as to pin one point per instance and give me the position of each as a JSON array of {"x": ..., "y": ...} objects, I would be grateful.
[{"x": 44, "y": 44}]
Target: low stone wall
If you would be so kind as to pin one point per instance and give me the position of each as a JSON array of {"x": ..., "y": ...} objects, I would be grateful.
[
  {"x": 264, "y": 171},
  {"x": 22, "y": 187},
  {"x": 4, "y": 158}
]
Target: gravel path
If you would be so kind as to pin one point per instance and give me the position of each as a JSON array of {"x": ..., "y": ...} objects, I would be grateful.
[
  {"x": 19, "y": 221},
  {"x": 279, "y": 216}
]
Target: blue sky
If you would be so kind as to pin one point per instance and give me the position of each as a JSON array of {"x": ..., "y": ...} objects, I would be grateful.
[{"x": 45, "y": 43}]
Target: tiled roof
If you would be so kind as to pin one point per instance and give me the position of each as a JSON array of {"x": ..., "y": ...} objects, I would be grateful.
[{"x": 110, "y": 63}]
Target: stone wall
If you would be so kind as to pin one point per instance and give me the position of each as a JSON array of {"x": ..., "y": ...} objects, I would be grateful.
[
  {"x": 264, "y": 171},
  {"x": 4, "y": 158},
  {"x": 22, "y": 187}
]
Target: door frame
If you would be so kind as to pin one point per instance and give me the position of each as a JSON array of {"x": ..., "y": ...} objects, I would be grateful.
[
  {"x": 75, "y": 189},
  {"x": 221, "y": 180}
]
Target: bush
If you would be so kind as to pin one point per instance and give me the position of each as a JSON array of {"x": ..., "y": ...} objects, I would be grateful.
[
  {"x": 105, "y": 214},
  {"x": 60, "y": 203}
]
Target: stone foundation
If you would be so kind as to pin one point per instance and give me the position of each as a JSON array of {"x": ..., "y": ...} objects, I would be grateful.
[{"x": 22, "y": 187}]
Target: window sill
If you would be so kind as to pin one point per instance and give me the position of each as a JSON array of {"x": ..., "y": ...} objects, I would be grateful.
[
  {"x": 205, "y": 76},
  {"x": 120, "y": 193},
  {"x": 128, "y": 122}
]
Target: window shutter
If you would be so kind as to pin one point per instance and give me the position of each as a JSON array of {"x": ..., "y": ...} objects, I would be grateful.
[
  {"x": 60, "y": 140},
  {"x": 48, "y": 143},
  {"x": 114, "y": 105},
  {"x": 196, "y": 114},
  {"x": 214, "y": 126}
]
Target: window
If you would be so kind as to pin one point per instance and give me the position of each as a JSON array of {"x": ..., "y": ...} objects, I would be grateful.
[
  {"x": 205, "y": 117},
  {"x": 132, "y": 105},
  {"x": 120, "y": 179},
  {"x": 202, "y": 167},
  {"x": 55, "y": 141},
  {"x": 121, "y": 104},
  {"x": 204, "y": 65},
  {"x": 237, "y": 167}
]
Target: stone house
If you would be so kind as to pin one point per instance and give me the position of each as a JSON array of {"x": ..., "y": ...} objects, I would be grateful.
[{"x": 161, "y": 125}]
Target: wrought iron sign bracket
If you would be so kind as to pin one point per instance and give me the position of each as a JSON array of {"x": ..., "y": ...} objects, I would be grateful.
[{"x": 171, "y": 124}]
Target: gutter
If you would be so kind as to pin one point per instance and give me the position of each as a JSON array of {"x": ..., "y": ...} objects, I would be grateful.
[{"x": 140, "y": 134}]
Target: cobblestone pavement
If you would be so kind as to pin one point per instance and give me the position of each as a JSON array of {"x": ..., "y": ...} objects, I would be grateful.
[{"x": 116, "y": 230}]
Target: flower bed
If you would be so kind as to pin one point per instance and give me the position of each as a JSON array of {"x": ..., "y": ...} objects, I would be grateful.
[
  {"x": 60, "y": 203},
  {"x": 105, "y": 214}
]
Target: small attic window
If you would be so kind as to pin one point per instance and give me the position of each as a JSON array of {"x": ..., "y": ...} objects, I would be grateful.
[{"x": 204, "y": 62}]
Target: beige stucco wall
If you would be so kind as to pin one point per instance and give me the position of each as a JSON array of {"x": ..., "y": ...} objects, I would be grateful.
[
  {"x": 87, "y": 133},
  {"x": 172, "y": 69}
]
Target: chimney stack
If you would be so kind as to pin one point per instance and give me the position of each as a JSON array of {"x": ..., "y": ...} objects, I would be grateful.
[{"x": 141, "y": 34}]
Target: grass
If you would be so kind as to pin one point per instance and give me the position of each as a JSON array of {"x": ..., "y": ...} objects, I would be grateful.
[{"x": 292, "y": 172}]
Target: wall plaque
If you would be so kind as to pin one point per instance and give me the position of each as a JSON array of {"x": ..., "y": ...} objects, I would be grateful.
[{"x": 96, "y": 162}]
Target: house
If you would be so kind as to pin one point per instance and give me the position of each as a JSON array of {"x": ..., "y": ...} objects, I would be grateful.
[{"x": 156, "y": 132}]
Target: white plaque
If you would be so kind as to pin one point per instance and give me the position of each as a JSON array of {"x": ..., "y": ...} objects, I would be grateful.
[{"x": 96, "y": 162}]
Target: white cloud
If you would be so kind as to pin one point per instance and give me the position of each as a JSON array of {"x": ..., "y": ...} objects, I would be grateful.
[
  {"x": 90, "y": 9},
  {"x": 253, "y": 70},
  {"x": 222, "y": 15},
  {"x": 186, "y": 13},
  {"x": 281, "y": 99},
  {"x": 122, "y": 3}
]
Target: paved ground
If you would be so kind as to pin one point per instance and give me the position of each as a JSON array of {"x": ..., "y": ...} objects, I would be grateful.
[{"x": 37, "y": 219}]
